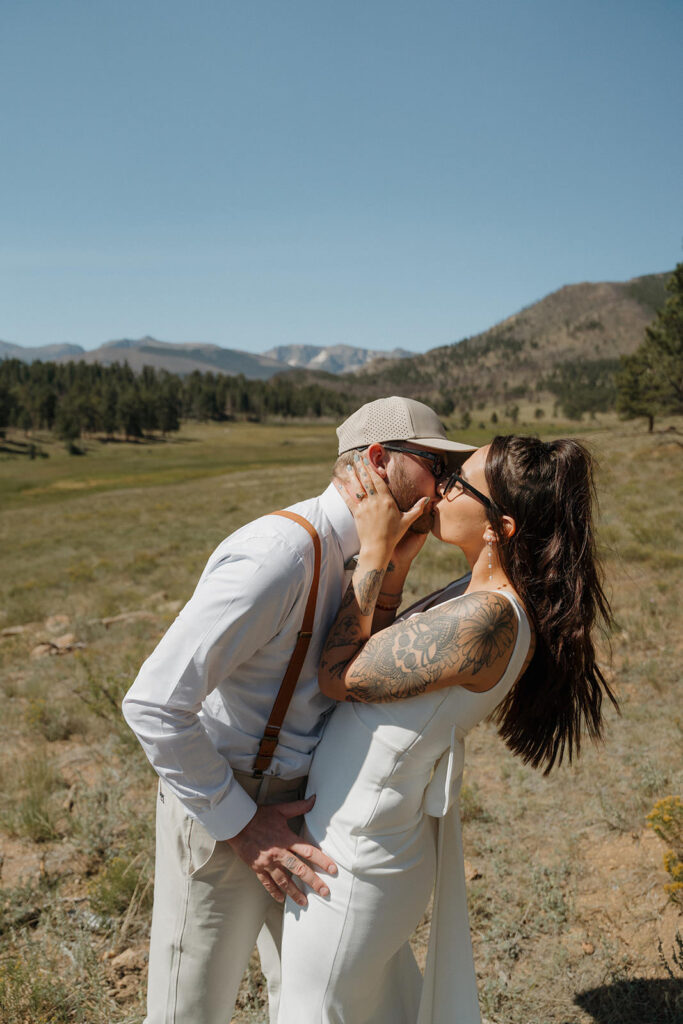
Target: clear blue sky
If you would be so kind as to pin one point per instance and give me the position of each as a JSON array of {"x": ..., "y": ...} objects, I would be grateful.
[{"x": 369, "y": 172}]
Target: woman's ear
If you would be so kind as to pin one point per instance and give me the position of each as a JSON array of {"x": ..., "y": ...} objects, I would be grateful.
[
  {"x": 509, "y": 526},
  {"x": 509, "y": 529},
  {"x": 378, "y": 459}
]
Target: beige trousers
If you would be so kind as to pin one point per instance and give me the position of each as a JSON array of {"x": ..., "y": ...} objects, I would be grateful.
[{"x": 209, "y": 911}]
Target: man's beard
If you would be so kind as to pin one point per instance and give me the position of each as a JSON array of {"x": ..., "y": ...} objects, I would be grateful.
[{"x": 405, "y": 493}]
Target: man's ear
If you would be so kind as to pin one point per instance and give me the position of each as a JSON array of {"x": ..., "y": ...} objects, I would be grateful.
[{"x": 378, "y": 457}]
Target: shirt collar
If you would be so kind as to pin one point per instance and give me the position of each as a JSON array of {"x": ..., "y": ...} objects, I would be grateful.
[{"x": 340, "y": 517}]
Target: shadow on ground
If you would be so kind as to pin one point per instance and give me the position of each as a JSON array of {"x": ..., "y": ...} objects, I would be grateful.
[
  {"x": 639, "y": 1001},
  {"x": 27, "y": 448},
  {"x": 148, "y": 439}
]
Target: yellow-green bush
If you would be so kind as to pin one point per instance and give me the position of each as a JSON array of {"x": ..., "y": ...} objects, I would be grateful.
[{"x": 666, "y": 820}]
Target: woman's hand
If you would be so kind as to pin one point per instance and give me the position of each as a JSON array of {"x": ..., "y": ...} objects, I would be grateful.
[
  {"x": 381, "y": 525},
  {"x": 381, "y": 528}
]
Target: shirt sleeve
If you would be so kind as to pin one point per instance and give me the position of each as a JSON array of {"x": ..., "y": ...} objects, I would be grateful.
[{"x": 242, "y": 600}]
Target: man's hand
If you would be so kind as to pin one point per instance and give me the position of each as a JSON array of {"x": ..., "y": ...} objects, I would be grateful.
[
  {"x": 269, "y": 847},
  {"x": 408, "y": 547}
]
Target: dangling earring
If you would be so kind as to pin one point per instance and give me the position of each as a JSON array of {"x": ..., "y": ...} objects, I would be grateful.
[{"x": 490, "y": 546}]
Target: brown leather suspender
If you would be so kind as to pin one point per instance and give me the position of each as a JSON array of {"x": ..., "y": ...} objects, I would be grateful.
[{"x": 271, "y": 733}]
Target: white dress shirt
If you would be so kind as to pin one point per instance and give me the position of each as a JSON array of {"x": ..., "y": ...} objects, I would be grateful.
[{"x": 201, "y": 701}]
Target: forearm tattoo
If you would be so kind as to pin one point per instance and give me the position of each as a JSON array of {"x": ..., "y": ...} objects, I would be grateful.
[
  {"x": 412, "y": 656},
  {"x": 345, "y": 638},
  {"x": 367, "y": 587}
]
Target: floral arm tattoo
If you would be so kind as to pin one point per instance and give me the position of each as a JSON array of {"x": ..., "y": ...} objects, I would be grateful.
[{"x": 444, "y": 646}]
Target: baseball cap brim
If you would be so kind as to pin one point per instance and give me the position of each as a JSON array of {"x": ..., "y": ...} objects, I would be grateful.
[{"x": 442, "y": 444}]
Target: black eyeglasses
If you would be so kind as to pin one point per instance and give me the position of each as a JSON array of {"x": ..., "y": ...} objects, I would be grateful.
[
  {"x": 459, "y": 484},
  {"x": 437, "y": 462}
]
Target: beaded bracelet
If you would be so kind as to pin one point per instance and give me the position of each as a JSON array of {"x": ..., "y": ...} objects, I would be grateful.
[{"x": 389, "y": 607}]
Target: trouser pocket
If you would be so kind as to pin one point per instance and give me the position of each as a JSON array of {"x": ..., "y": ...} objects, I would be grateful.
[
  {"x": 200, "y": 847},
  {"x": 177, "y": 831}
]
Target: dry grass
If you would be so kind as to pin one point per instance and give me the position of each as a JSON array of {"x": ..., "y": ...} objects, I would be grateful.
[{"x": 570, "y": 917}]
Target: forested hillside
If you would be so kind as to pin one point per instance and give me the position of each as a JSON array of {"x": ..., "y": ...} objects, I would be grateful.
[{"x": 566, "y": 347}]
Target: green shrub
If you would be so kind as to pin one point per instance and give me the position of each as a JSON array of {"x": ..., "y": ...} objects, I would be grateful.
[
  {"x": 471, "y": 807},
  {"x": 120, "y": 882},
  {"x": 52, "y": 719},
  {"x": 29, "y": 803}
]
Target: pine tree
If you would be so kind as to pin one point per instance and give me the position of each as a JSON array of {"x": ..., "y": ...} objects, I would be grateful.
[
  {"x": 651, "y": 380},
  {"x": 130, "y": 412},
  {"x": 108, "y": 407}
]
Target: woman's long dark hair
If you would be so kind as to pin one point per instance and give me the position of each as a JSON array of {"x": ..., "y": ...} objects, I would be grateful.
[{"x": 551, "y": 560}]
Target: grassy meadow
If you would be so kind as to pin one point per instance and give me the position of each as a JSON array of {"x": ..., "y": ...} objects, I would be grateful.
[{"x": 571, "y": 917}]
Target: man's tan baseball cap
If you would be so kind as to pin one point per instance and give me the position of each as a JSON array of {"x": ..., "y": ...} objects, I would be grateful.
[{"x": 396, "y": 419}]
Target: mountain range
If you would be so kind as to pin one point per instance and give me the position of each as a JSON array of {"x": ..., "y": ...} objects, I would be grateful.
[
  {"x": 184, "y": 357},
  {"x": 586, "y": 322},
  {"x": 331, "y": 358}
]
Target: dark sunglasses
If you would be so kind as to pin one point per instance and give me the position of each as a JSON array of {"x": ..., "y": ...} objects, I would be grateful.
[
  {"x": 437, "y": 463},
  {"x": 459, "y": 484}
]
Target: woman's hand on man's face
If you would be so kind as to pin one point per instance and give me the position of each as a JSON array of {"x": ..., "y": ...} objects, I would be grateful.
[{"x": 380, "y": 523}]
